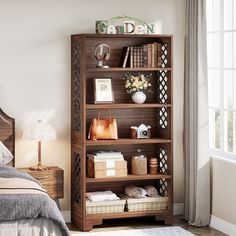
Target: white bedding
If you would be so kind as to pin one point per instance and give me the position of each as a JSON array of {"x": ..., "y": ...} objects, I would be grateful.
[{"x": 30, "y": 227}]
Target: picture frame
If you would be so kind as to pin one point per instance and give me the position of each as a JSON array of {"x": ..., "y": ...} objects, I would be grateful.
[{"x": 103, "y": 92}]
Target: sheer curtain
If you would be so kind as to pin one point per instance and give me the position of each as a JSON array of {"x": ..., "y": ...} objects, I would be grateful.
[{"x": 196, "y": 144}]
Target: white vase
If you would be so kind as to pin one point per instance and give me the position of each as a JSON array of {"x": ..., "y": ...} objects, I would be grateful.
[{"x": 139, "y": 97}]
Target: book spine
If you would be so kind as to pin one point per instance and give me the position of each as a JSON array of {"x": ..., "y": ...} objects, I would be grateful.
[
  {"x": 131, "y": 57},
  {"x": 159, "y": 60},
  {"x": 126, "y": 57},
  {"x": 134, "y": 57},
  {"x": 145, "y": 55},
  {"x": 149, "y": 55},
  {"x": 140, "y": 49},
  {"x": 153, "y": 54}
]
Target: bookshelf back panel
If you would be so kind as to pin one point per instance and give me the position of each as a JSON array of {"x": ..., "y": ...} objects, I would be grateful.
[
  {"x": 160, "y": 89},
  {"x": 134, "y": 117},
  {"x": 117, "y": 45},
  {"x": 161, "y": 152}
]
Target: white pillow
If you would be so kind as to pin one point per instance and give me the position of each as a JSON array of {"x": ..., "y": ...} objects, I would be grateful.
[{"x": 5, "y": 154}]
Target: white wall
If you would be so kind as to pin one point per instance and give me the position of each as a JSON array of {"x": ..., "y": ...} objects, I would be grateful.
[{"x": 35, "y": 68}]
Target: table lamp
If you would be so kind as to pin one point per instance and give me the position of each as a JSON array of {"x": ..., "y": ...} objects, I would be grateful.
[{"x": 40, "y": 131}]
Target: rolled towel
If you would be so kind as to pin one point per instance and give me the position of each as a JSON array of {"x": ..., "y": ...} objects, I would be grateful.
[
  {"x": 151, "y": 191},
  {"x": 135, "y": 192}
]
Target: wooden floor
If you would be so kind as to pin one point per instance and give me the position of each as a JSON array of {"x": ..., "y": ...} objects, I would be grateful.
[{"x": 124, "y": 224}]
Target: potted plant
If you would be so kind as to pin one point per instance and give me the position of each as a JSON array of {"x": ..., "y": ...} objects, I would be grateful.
[{"x": 137, "y": 85}]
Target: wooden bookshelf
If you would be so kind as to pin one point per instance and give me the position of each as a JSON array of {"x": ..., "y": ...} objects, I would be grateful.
[{"x": 156, "y": 112}]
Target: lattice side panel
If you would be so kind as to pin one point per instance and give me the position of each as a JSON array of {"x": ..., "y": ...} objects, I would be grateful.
[
  {"x": 164, "y": 55},
  {"x": 162, "y": 89},
  {"x": 163, "y": 168},
  {"x": 76, "y": 87},
  {"x": 163, "y": 118},
  {"x": 76, "y": 176},
  {"x": 163, "y": 187}
]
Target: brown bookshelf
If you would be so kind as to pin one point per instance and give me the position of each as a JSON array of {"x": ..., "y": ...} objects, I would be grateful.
[{"x": 156, "y": 112}]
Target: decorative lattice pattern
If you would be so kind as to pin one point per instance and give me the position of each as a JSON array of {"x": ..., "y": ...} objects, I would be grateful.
[
  {"x": 76, "y": 182},
  {"x": 76, "y": 86},
  {"x": 162, "y": 164},
  {"x": 164, "y": 52},
  {"x": 163, "y": 118},
  {"x": 163, "y": 188},
  {"x": 163, "y": 87}
]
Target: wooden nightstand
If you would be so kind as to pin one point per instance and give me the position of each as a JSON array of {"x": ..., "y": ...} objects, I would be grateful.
[{"x": 51, "y": 179}]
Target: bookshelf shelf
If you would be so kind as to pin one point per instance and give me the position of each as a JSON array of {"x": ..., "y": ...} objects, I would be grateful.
[
  {"x": 118, "y": 69},
  {"x": 128, "y": 178},
  {"x": 126, "y": 141},
  {"x": 125, "y": 106},
  {"x": 156, "y": 112}
]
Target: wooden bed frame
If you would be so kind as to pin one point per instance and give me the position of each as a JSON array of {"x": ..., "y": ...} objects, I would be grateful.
[{"x": 7, "y": 133}]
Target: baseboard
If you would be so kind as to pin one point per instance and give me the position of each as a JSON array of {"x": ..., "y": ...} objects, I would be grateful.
[
  {"x": 178, "y": 210},
  {"x": 223, "y": 226}
]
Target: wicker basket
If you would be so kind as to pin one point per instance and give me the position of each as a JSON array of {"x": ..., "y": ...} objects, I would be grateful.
[
  {"x": 105, "y": 206},
  {"x": 147, "y": 204}
]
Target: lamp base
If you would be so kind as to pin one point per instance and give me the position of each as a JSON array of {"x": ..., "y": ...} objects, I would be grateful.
[{"x": 39, "y": 167}]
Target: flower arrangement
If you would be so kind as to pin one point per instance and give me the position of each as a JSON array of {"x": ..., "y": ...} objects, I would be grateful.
[{"x": 137, "y": 83}]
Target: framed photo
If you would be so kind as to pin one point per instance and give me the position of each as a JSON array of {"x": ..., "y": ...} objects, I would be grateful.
[{"x": 103, "y": 90}]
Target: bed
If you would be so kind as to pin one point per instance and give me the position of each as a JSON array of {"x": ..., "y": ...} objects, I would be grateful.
[{"x": 25, "y": 207}]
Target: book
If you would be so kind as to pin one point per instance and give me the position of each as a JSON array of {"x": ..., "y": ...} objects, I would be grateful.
[
  {"x": 145, "y": 55},
  {"x": 127, "y": 52},
  {"x": 149, "y": 55},
  {"x": 131, "y": 57},
  {"x": 139, "y": 57},
  {"x": 159, "y": 59}
]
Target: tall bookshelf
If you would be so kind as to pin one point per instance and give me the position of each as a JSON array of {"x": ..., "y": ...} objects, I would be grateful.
[{"x": 156, "y": 111}]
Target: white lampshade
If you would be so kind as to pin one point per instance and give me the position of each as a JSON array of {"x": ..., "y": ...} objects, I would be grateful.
[{"x": 40, "y": 131}]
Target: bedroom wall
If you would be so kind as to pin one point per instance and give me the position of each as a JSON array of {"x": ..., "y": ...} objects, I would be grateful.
[
  {"x": 35, "y": 68},
  {"x": 223, "y": 175}
]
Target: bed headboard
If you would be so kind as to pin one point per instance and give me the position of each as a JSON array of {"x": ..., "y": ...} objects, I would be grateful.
[{"x": 7, "y": 133}]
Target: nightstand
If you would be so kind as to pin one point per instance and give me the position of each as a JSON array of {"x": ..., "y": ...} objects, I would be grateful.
[{"x": 52, "y": 180}]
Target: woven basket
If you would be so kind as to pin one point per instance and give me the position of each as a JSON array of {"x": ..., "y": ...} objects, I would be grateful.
[
  {"x": 105, "y": 206},
  {"x": 147, "y": 204}
]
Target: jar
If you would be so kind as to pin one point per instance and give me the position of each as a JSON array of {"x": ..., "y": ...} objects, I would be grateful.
[
  {"x": 139, "y": 164},
  {"x": 153, "y": 164}
]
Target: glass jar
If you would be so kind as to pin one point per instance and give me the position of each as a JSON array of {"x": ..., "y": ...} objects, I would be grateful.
[{"x": 139, "y": 164}]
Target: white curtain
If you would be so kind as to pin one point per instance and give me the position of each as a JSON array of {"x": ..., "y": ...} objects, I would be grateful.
[{"x": 196, "y": 144}]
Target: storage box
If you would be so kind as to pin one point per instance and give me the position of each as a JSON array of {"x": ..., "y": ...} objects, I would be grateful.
[
  {"x": 147, "y": 204},
  {"x": 105, "y": 206},
  {"x": 100, "y": 170}
]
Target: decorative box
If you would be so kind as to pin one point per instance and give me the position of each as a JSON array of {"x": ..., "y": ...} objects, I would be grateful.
[
  {"x": 106, "y": 169},
  {"x": 105, "y": 206}
]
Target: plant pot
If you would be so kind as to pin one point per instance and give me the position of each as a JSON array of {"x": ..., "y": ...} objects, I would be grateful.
[{"x": 139, "y": 97}]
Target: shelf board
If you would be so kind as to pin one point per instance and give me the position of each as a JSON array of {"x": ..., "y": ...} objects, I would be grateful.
[
  {"x": 125, "y": 214},
  {"x": 125, "y": 106},
  {"x": 120, "y": 69},
  {"x": 128, "y": 178},
  {"x": 128, "y": 141}
]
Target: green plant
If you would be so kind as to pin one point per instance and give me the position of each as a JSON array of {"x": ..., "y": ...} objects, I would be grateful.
[{"x": 137, "y": 83}]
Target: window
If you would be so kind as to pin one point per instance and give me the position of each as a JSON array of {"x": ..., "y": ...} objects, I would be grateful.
[{"x": 221, "y": 49}]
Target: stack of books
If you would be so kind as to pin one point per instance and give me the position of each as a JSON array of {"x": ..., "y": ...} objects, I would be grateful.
[
  {"x": 144, "y": 56},
  {"x": 103, "y": 164}
]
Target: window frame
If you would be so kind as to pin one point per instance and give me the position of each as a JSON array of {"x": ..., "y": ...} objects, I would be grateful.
[{"x": 222, "y": 152}]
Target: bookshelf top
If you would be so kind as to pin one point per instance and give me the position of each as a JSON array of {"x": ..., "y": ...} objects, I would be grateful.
[{"x": 122, "y": 35}]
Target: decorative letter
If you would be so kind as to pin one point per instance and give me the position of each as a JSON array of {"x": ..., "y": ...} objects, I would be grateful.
[
  {"x": 140, "y": 29},
  {"x": 111, "y": 29},
  {"x": 101, "y": 27},
  {"x": 129, "y": 27},
  {"x": 151, "y": 29}
]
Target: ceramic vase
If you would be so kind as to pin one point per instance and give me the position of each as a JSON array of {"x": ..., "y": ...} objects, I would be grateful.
[{"x": 139, "y": 97}]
